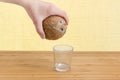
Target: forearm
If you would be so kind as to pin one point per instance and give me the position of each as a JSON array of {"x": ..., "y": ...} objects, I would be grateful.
[{"x": 18, "y": 2}]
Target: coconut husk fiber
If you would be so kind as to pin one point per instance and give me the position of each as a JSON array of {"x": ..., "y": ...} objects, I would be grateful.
[{"x": 54, "y": 27}]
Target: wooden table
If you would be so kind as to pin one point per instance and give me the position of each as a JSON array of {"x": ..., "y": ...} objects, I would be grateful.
[{"x": 38, "y": 65}]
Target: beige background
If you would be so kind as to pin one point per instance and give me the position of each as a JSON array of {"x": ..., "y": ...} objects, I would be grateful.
[{"x": 94, "y": 25}]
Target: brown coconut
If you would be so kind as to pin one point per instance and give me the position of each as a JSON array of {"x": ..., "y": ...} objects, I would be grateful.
[{"x": 54, "y": 27}]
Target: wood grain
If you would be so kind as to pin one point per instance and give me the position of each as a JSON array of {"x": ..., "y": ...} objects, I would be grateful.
[{"x": 38, "y": 65}]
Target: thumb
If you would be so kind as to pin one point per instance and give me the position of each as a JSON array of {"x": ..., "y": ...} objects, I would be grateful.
[{"x": 39, "y": 29}]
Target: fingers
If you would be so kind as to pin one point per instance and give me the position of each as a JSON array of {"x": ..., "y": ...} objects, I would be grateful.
[
  {"x": 64, "y": 15},
  {"x": 53, "y": 10}
]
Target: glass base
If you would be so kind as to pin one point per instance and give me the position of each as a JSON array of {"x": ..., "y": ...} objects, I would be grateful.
[{"x": 62, "y": 67}]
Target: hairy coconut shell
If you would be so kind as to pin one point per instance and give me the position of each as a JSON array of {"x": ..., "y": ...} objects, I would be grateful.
[{"x": 54, "y": 27}]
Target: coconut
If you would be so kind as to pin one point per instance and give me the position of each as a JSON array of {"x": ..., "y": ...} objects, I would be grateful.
[{"x": 54, "y": 27}]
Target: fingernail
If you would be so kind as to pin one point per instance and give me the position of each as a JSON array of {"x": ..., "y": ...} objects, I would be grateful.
[{"x": 42, "y": 36}]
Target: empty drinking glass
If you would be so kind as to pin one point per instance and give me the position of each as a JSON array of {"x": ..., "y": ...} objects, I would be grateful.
[{"x": 62, "y": 57}]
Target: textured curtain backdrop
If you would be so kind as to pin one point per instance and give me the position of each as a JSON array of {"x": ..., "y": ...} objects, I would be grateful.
[{"x": 94, "y": 25}]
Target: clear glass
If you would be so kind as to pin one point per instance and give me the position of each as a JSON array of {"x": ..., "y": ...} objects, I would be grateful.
[{"x": 62, "y": 57}]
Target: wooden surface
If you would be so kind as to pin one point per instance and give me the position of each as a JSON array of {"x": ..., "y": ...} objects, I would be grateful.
[{"x": 19, "y": 65}]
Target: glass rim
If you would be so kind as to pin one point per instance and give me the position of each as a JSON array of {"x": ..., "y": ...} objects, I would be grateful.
[{"x": 60, "y": 46}]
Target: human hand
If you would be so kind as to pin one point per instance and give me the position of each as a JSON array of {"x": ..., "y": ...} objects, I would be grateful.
[{"x": 39, "y": 10}]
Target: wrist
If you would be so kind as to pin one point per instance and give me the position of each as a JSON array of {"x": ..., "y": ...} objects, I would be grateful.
[{"x": 23, "y": 3}]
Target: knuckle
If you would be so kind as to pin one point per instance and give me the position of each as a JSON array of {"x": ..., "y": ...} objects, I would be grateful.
[{"x": 50, "y": 8}]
